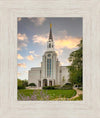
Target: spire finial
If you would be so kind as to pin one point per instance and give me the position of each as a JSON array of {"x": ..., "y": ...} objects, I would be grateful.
[
  {"x": 50, "y": 35},
  {"x": 50, "y": 25}
]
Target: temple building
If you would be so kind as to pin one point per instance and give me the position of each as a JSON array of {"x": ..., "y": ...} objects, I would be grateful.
[{"x": 51, "y": 72}]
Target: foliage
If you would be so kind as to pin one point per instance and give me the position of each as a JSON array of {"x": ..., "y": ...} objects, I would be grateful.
[
  {"x": 67, "y": 86},
  {"x": 26, "y": 94},
  {"x": 25, "y": 83},
  {"x": 32, "y": 84},
  {"x": 48, "y": 87},
  {"x": 21, "y": 84},
  {"x": 21, "y": 87},
  {"x": 75, "y": 70},
  {"x": 57, "y": 86}
]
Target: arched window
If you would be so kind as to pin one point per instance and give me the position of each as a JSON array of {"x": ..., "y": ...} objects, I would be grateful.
[
  {"x": 50, "y": 45},
  {"x": 48, "y": 67}
]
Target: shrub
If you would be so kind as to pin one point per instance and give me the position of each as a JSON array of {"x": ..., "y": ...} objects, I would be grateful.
[
  {"x": 48, "y": 87},
  {"x": 32, "y": 84},
  {"x": 21, "y": 87},
  {"x": 67, "y": 86}
]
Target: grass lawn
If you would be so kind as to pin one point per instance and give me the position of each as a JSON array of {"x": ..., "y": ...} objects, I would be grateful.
[{"x": 26, "y": 94}]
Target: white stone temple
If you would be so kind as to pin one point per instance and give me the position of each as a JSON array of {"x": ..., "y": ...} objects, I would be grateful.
[{"x": 51, "y": 72}]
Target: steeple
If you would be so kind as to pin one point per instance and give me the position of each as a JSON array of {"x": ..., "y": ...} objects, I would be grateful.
[
  {"x": 50, "y": 34},
  {"x": 50, "y": 43}
]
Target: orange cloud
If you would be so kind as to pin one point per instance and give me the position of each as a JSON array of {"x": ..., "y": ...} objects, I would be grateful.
[
  {"x": 31, "y": 52},
  {"x": 22, "y": 36},
  {"x": 19, "y": 57},
  {"x": 22, "y": 41},
  {"x": 30, "y": 57},
  {"x": 60, "y": 42},
  {"x": 23, "y": 65},
  {"x": 18, "y": 74},
  {"x": 67, "y": 42}
]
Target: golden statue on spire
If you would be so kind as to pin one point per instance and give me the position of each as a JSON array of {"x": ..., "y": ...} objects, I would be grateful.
[{"x": 50, "y": 25}]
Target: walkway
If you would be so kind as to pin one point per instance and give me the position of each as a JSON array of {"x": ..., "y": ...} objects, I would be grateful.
[{"x": 77, "y": 94}]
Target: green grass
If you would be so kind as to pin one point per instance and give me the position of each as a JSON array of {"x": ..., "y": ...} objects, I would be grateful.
[
  {"x": 80, "y": 97},
  {"x": 42, "y": 94}
]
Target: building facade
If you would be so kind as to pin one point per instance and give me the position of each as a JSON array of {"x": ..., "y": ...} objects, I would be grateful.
[{"x": 51, "y": 72}]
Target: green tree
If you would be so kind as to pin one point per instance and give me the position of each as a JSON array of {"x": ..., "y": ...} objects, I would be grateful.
[
  {"x": 25, "y": 83},
  {"x": 75, "y": 70},
  {"x": 21, "y": 84}
]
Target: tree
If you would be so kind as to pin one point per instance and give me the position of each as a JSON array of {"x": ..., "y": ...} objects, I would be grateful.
[
  {"x": 75, "y": 70},
  {"x": 25, "y": 83},
  {"x": 21, "y": 84}
]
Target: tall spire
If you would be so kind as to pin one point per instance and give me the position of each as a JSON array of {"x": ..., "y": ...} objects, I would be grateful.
[{"x": 50, "y": 34}]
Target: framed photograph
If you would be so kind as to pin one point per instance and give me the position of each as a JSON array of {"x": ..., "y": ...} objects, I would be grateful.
[
  {"x": 50, "y": 65},
  {"x": 49, "y": 59}
]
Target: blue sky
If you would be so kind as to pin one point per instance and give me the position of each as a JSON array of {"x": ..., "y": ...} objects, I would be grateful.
[{"x": 32, "y": 36}]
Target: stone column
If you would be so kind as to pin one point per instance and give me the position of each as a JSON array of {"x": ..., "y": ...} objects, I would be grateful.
[
  {"x": 41, "y": 83},
  {"x": 52, "y": 82},
  {"x": 47, "y": 82}
]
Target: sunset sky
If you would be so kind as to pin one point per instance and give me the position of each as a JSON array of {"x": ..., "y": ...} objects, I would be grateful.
[{"x": 32, "y": 37}]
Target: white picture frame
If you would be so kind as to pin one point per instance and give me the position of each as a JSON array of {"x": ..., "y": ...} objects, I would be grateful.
[{"x": 90, "y": 106}]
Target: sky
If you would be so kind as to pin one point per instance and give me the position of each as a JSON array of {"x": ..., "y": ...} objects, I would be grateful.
[{"x": 32, "y": 37}]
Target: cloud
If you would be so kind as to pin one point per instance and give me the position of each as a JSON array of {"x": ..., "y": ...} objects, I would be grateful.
[
  {"x": 22, "y": 40},
  {"x": 60, "y": 41},
  {"x": 25, "y": 71},
  {"x": 59, "y": 52},
  {"x": 37, "y": 21},
  {"x": 19, "y": 57},
  {"x": 30, "y": 58},
  {"x": 42, "y": 39},
  {"x": 19, "y": 18},
  {"x": 68, "y": 42},
  {"x": 61, "y": 63},
  {"x": 33, "y": 52},
  {"x": 23, "y": 65},
  {"x": 22, "y": 36},
  {"x": 18, "y": 74}
]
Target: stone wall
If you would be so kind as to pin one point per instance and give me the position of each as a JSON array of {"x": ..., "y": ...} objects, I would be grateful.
[
  {"x": 64, "y": 74},
  {"x": 34, "y": 75}
]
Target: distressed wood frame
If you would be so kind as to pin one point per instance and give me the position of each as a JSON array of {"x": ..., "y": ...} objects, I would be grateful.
[{"x": 9, "y": 106}]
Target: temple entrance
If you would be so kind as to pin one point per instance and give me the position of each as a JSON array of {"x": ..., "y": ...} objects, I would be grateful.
[
  {"x": 39, "y": 83},
  {"x": 45, "y": 82},
  {"x": 50, "y": 83}
]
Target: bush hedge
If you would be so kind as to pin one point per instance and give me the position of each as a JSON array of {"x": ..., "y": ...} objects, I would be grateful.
[
  {"x": 21, "y": 87},
  {"x": 67, "y": 86},
  {"x": 32, "y": 84},
  {"x": 48, "y": 87}
]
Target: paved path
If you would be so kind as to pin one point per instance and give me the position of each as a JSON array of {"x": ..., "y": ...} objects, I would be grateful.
[{"x": 77, "y": 94}]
